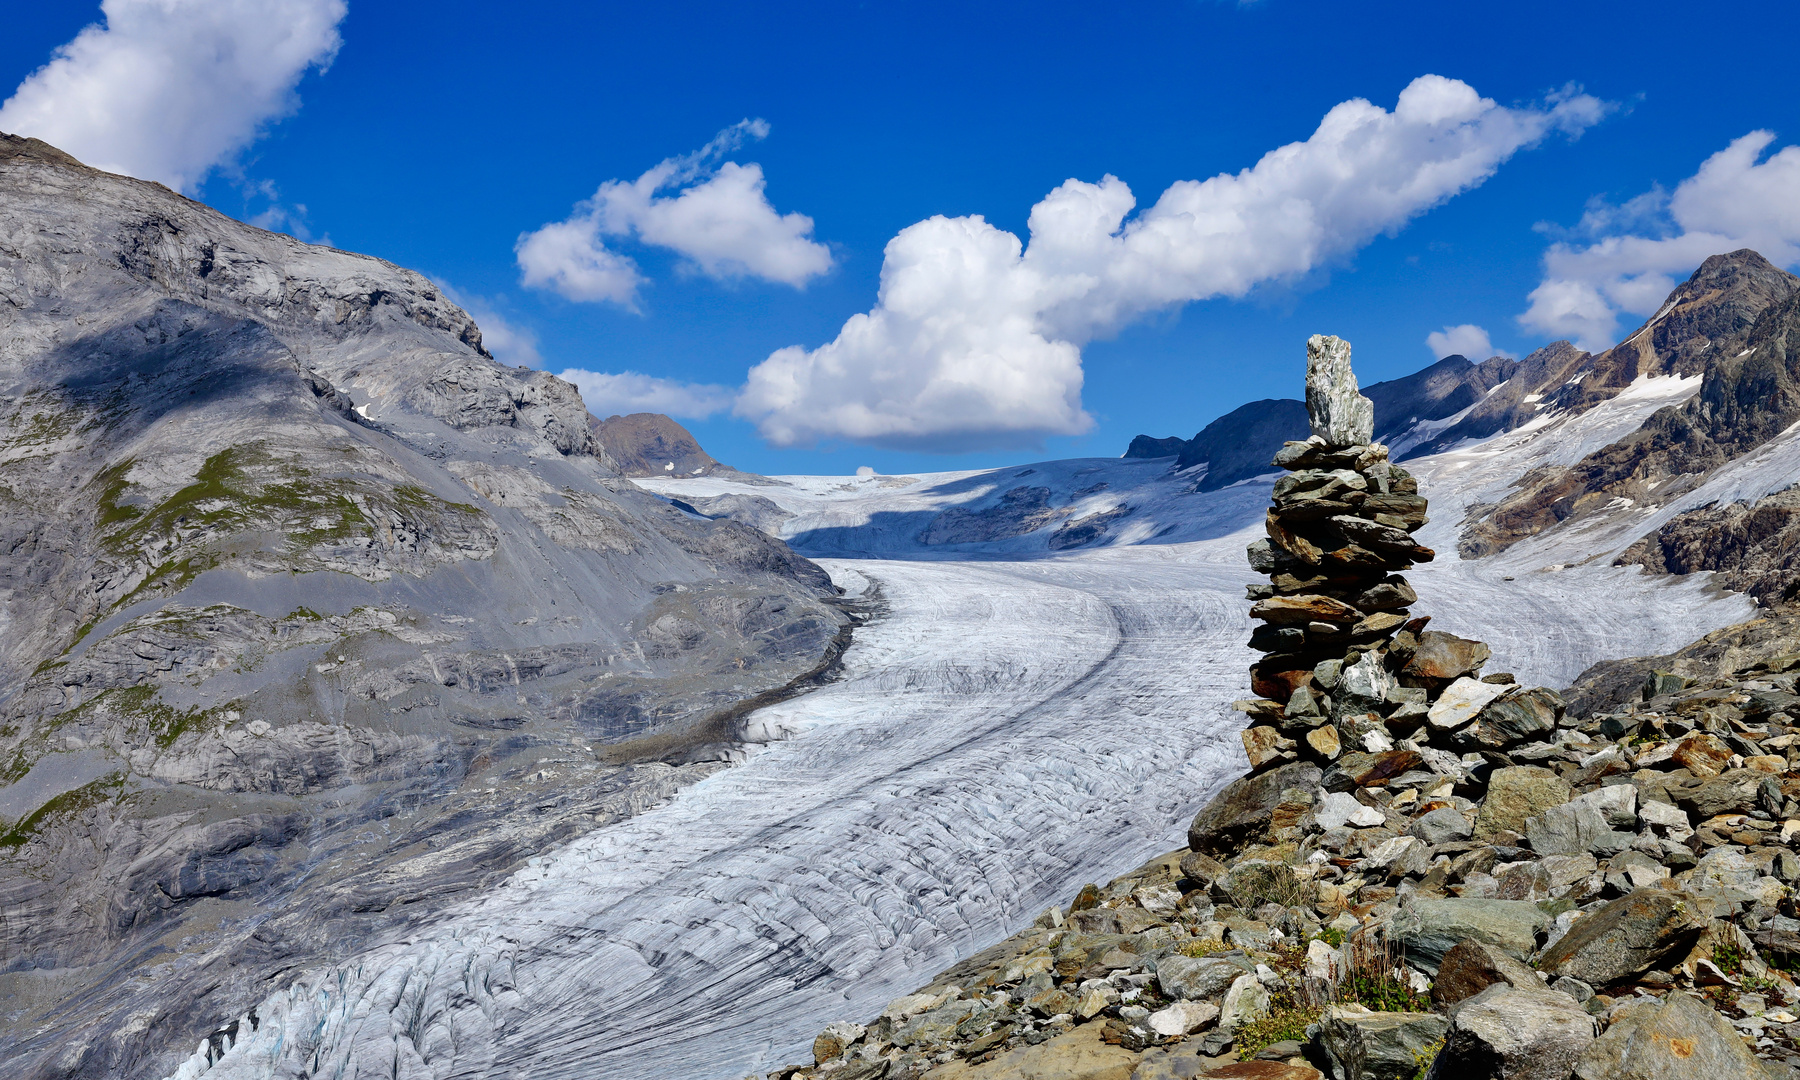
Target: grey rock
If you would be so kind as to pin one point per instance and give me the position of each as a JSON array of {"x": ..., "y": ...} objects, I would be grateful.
[
  {"x": 1681, "y": 1038},
  {"x": 1513, "y": 1033},
  {"x": 1587, "y": 823},
  {"x": 1441, "y": 826},
  {"x": 1426, "y": 929},
  {"x": 1340, "y": 415},
  {"x": 1188, "y": 978},
  {"x": 1362, "y": 1045},
  {"x": 1625, "y": 938},
  {"x": 1246, "y": 1001}
]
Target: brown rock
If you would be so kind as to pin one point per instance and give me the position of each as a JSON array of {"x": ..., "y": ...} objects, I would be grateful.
[
  {"x": 1445, "y": 656},
  {"x": 1368, "y": 770},
  {"x": 1324, "y": 741},
  {"x": 1267, "y": 746},
  {"x": 1471, "y": 967},
  {"x": 1302, "y": 609},
  {"x": 1703, "y": 754},
  {"x": 1277, "y": 683},
  {"x": 1261, "y": 1070}
]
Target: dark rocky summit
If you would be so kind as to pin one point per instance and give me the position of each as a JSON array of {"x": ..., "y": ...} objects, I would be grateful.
[
  {"x": 1427, "y": 872},
  {"x": 1239, "y": 444},
  {"x": 1736, "y": 323},
  {"x": 313, "y": 618}
]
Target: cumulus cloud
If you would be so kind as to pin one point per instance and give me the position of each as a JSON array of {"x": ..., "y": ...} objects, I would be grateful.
[
  {"x": 1468, "y": 340},
  {"x": 607, "y": 394},
  {"x": 1628, "y": 257},
  {"x": 716, "y": 215},
  {"x": 975, "y": 339},
  {"x": 168, "y": 89}
]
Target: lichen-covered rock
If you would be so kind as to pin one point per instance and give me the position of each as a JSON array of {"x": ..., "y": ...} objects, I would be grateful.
[
  {"x": 1625, "y": 938},
  {"x": 1427, "y": 929},
  {"x": 1365, "y": 1045},
  {"x": 1680, "y": 1038},
  {"x": 1509, "y": 1032}
]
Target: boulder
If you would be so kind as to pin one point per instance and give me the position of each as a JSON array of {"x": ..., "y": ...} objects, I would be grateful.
[
  {"x": 1460, "y": 701},
  {"x": 1626, "y": 938},
  {"x": 1183, "y": 1018},
  {"x": 1445, "y": 825},
  {"x": 1587, "y": 823},
  {"x": 1340, "y": 808},
  {"x": 1341, "y": 416},
  {"x": 1735, "y": 791},
  {"x": 1303, "y": 609},
  {"x": 1241, "y": 812},
  {"x": 1365, "y": 770},
  {"x": 1427, "y": 929},
  {"x": 836, "y": 1037},
  {"x": 1363, "y": 1045},
  {"x": 1445, "y": 657},
  {"x": 1078, "y": 1054},
  {"x": 1517, "y": 718},
  {"x": 1513, "y": 1033},
  {"x": 1680, "y": 1039},
  {"x": 1471, "y": 967},
  {"x": 1245, "y": 1002},
  {"x": 1187, "y": 978},
  {"x": 1515, "y": 794}
]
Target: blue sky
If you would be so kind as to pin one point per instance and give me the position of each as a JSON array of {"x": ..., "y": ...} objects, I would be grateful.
[{"x": 441, "y": 135}]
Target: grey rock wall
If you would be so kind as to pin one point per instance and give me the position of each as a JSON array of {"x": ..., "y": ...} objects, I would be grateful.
[{"x": 313, "y": 617}]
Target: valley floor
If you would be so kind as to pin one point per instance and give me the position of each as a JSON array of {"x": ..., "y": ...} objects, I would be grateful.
[{"x": 1005, "y": 732}]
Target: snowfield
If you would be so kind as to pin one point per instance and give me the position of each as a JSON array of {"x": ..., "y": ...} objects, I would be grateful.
[{"x": 1018, "y": 722}]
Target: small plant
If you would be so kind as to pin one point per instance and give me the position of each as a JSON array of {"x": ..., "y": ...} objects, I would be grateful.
[
  {"x": 1376, "y": 980},
  {"x": 1424, "y": 1057},
  {"x": 1332, "y": 936},
  {"x": 1728, "y": 958},
  {"x": 1292, "y": 1009},
  {"x": 1197, "y": 949}
]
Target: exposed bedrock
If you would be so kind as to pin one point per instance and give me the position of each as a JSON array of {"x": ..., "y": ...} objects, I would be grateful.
[{"x": 313, "y": 618}]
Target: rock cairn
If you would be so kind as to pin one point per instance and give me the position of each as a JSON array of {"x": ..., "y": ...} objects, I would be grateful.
[
  {"x": 1426, "y": 872},
  {"x": 1344, "y": 669}
]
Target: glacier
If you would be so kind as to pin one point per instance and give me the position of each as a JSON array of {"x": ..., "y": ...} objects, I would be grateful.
[{"x": 1015, "y": 722}]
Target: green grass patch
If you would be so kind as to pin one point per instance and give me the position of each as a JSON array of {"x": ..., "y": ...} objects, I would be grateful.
[{"x": 104, "y": 790}]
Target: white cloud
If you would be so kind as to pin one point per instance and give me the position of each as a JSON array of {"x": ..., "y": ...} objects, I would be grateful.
[
  {"x": 167, "y": 89},
  {"x": 607, "y": 394},
  {"x": 1468, "y": 341},
  {"x": 975, "y": 339},
  {"x": 1636, "y": 253},
  {"x": 717, "y": 216}
]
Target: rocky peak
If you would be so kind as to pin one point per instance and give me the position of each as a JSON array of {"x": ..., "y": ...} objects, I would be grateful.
[
  {"x": 651, "y": 444},
  {"x": 1737, "y": 322}
]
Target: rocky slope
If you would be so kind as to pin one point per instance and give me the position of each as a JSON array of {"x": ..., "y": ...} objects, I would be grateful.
[
  {"x": 313, "y": 617},
  {"x": 1428, "y": 872},
  {"x": 1734, "y": 325}
]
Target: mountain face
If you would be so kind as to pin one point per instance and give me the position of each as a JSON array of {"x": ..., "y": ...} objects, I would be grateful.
[
  {"x": 651, "y": 444},
  {"x": 1736, "y": 324},
  {"x": 313, "y": 618},
  {"x": 1241, "y": 443}
]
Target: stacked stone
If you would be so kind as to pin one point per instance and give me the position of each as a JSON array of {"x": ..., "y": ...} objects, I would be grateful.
[{"x": 1338, "y": 669}]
